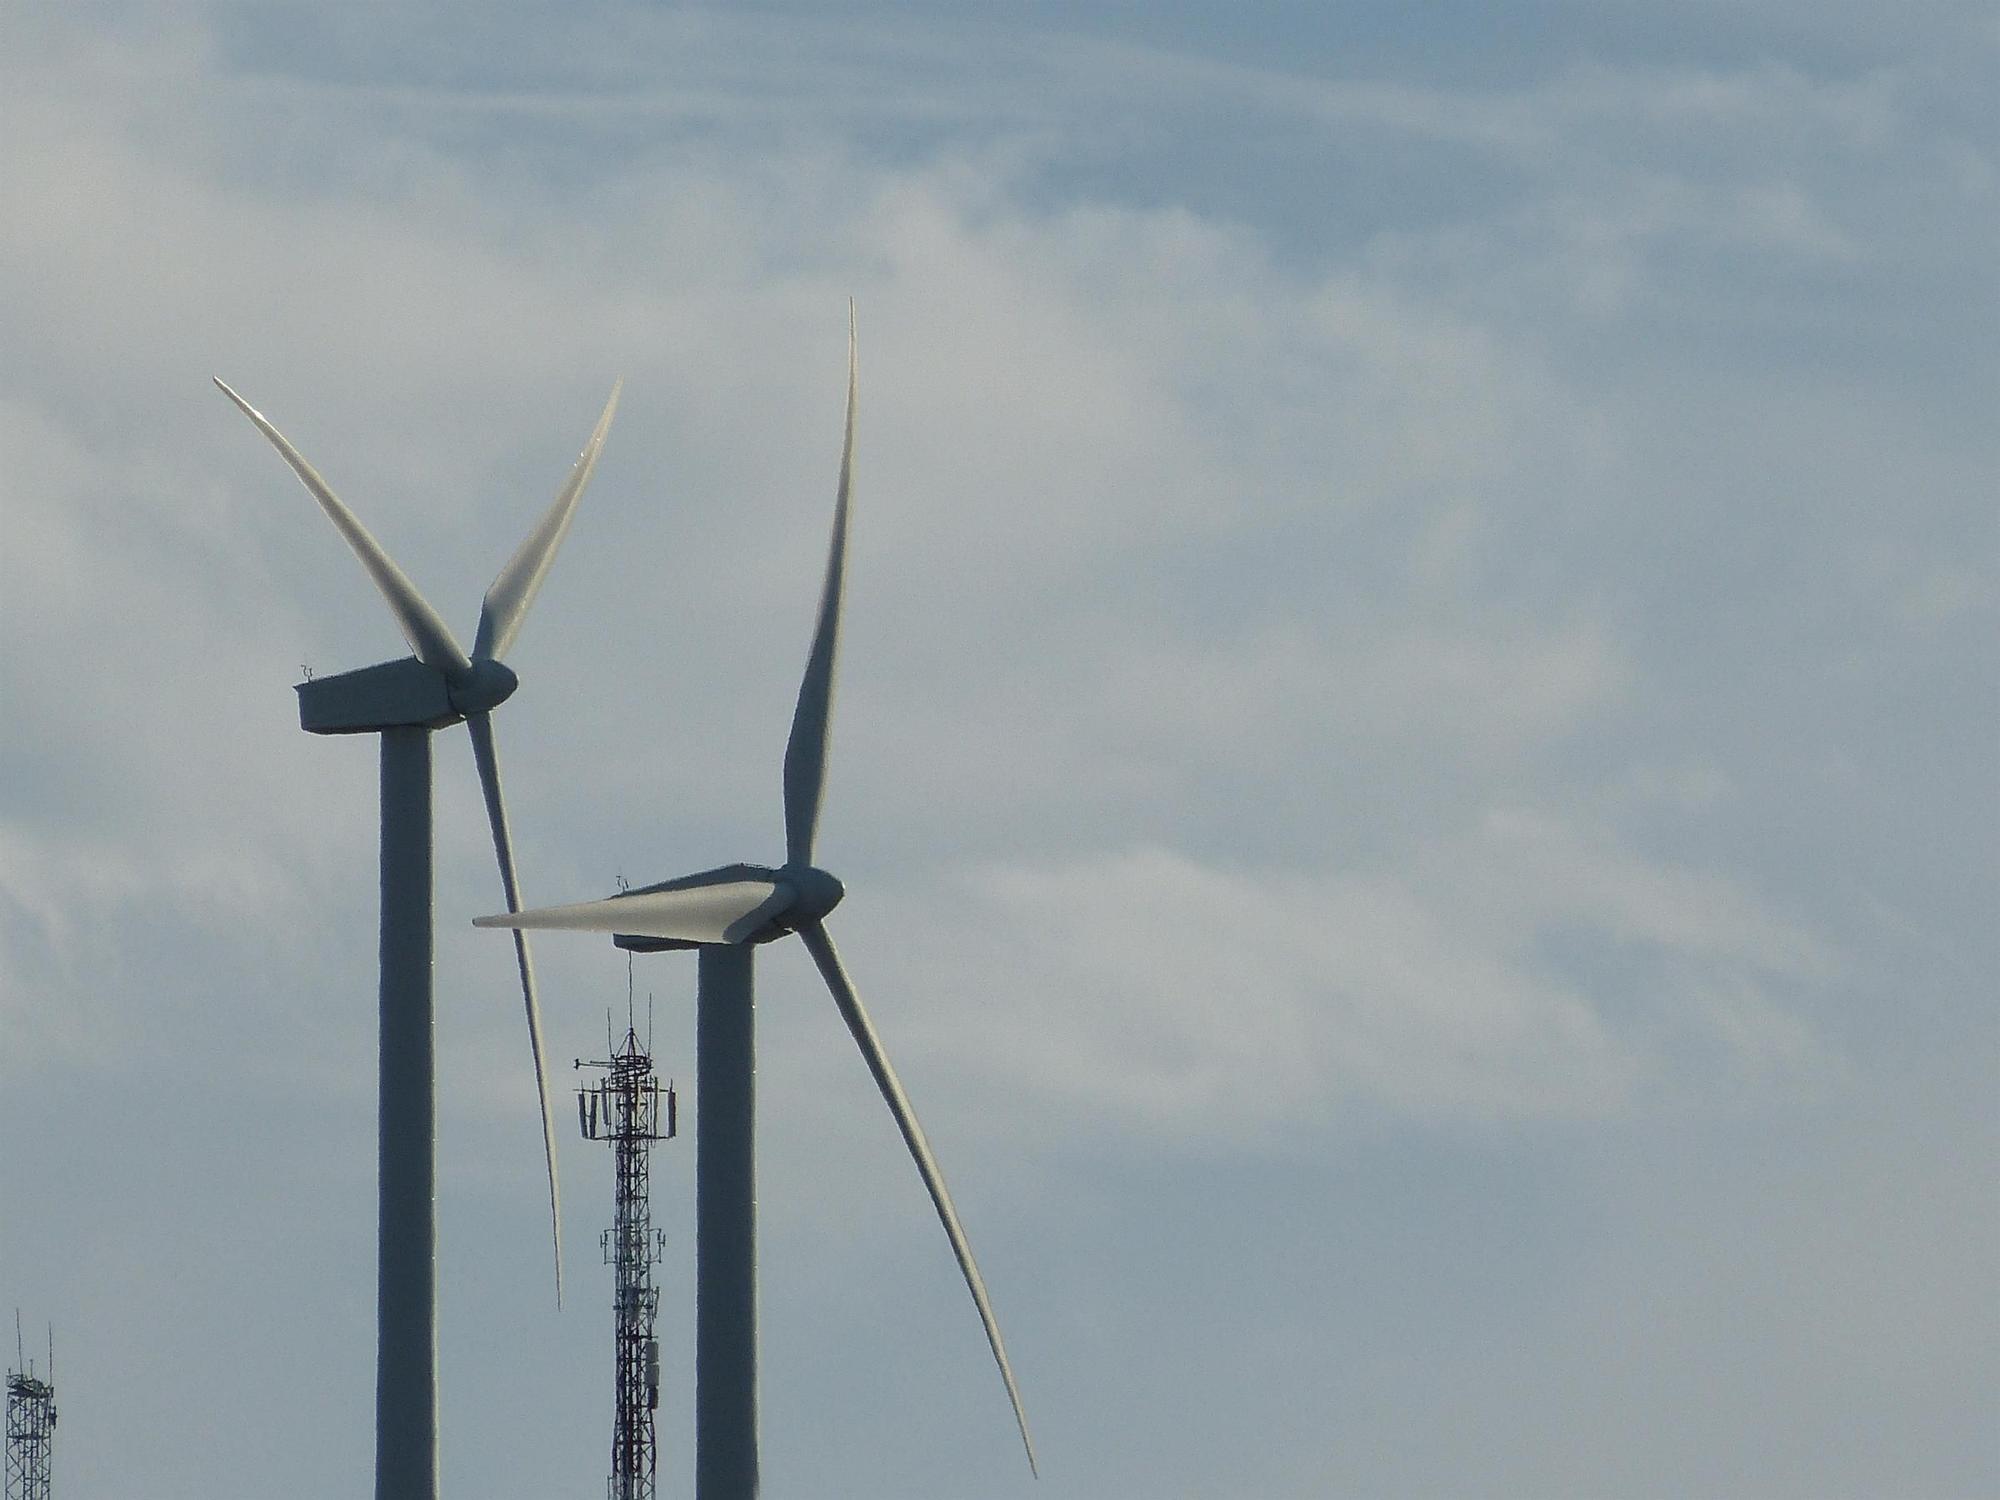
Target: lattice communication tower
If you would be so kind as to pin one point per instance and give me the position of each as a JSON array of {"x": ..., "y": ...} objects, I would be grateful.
[
  {"x": 630, "y": 1110},
  {"x": 31, "y": 1422}
]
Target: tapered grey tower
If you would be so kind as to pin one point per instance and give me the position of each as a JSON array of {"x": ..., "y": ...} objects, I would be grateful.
[
  {"x": 404, "y": 701},
  {"x": 725, "y": 913}
]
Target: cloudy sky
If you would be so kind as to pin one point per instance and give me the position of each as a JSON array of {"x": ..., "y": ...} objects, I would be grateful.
[{"x": 1415, "y": 762}]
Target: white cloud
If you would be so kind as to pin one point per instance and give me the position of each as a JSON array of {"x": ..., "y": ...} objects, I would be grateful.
[
  {"x": 1156, "y": 993},
  {"x": 1540, "y": 867}
]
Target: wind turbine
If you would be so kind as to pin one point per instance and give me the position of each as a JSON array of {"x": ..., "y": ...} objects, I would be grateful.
[
  {"x": 725, "y": 913},
  {"x": 403, "y": 701}
]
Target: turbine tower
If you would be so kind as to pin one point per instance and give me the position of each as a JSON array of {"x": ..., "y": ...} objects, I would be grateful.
[
  {"x": 628, "y": 1109},
  {"x": 404, "y": 701},
  {"x": 724, "y": 914},
  {"x": 31, "y": 1422}
]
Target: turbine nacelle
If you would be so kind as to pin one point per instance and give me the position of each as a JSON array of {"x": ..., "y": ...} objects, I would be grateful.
[
  {"x": 404, "y": 693},
  {"x": 731, "y": 905}
]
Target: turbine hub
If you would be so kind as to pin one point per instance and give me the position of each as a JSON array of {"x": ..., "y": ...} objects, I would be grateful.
[
  {"x": 817, "y": 893},
  {"x": 488, "y": 685}
]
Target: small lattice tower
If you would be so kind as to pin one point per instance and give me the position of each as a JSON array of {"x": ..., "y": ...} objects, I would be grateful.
[
  {"x": 630, "y": 1110},
  {"x": 31, "y": 1423}
]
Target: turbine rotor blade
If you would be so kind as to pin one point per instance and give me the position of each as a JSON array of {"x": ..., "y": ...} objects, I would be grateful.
[
  {"x": 729, "y": 911},
  {"x": 805, "y": 752},
  {"x": 427, "y": 634},
  {"x": 514, "y": 589},
  {"x": 820, "y": 945},
  {"x": 480, "y": 727}
]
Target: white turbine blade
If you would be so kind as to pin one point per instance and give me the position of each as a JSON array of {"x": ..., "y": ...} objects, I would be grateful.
[
  {"x": 723, "y": 912},
  {"x": 514, "y": 589},
  {"x": 427, "y": 634},
  {"x": 480, "y": 727},
  {"x": 820, "y": 945},
  {"x": 805, "y": 752}
]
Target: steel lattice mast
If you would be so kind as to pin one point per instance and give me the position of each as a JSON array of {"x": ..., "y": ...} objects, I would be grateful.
[
  {"x": 31, "y": 1423},
  {"x": 629, "y": 1109}
]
